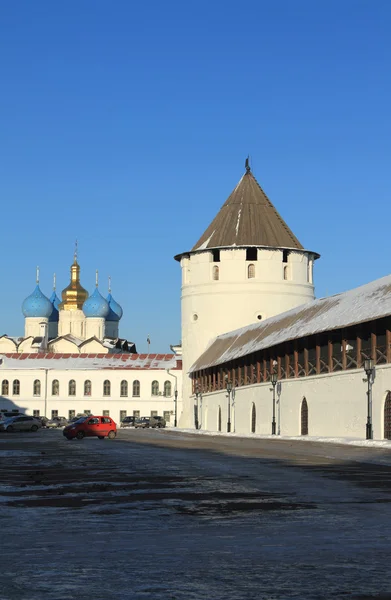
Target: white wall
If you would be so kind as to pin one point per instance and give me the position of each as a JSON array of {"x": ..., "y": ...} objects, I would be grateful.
[
  {"x": 96, "y": 403},
  {"x": 210, "y": 308},
  {"x": 337, "y": 405}
]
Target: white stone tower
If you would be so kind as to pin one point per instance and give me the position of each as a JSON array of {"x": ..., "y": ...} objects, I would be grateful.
[{"x": 247, "y": 266}]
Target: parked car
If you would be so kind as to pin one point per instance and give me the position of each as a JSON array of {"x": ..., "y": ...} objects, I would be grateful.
[
  {"x": 157, "y": 422},
  {"x": 128, "y": 422},
  {"x": 142, "y": 422},
  {"x": 43, "y": 420},
  {"x": 7, "y": 414},
  {"x": 20, "y": 423},
  {"x": 57, "y": 422},
  {"x": 91, "y": 426}
]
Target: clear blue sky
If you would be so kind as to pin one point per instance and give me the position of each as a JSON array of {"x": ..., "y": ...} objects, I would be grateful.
[{"x": 126, "y": 125}]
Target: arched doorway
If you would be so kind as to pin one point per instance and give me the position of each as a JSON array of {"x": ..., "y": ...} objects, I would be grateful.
[
  {"x": 219, "y": 420},
  {"x": 253, "y": 418},
  {"x": 387, "y": 417},
  {"x": 304, "y": 417}
]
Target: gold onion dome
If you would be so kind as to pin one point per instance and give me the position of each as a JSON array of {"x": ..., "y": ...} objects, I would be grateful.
[{"x": 74, "y": 295}]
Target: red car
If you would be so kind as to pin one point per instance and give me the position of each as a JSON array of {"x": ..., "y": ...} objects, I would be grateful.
[{"x": 91, "y": 426}]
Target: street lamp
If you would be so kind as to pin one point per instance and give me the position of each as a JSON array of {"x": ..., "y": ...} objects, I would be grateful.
[
  {"x": 369, "y": 368},
  {"x": 175, "y": 407},
  {"x": 198, "y": 396},
  {"x": 229, "y": 390},
  {"x": 273, "y": 380}
]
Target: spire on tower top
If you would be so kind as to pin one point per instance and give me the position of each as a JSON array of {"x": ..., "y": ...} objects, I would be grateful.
[
  {"x": 109, "y": 284},
  {"x": 96, "y": 278},
  {"x": 37, "y": 276},
  {"x": 247, "y": 164},
  {"x": 54, "y": 281},
  {"x": 75, "y": 253}
]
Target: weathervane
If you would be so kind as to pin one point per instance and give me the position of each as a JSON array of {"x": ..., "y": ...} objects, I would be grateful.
[
  {"x": 75, "y": 254},
  {"x": 247, "y": 165}
]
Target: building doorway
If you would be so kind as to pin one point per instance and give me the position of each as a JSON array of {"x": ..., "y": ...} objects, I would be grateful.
[
  {"x": 253, "y": 419},
  {"x": 219, "y": 420},
  {"x": 304, "y": 417},
  {"x": 387, "y": 417}
]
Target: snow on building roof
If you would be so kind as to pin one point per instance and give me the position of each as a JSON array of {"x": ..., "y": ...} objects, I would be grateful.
[
  {"x": 58, "y": 361},
  {"x": 362, "y": 304}
]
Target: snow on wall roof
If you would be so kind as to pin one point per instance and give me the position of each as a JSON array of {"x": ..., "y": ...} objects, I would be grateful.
[
  {"x": 58, "y": 361},
  {"x": 365, "y": 303}
]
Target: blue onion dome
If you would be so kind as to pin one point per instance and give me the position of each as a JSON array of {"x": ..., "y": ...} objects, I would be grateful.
[
  {"x": 116, "y": 311},
  {"x": 37, "y": 305},
  {"x": 96, "y": 306},
  {"x": 55, "y": 300}
]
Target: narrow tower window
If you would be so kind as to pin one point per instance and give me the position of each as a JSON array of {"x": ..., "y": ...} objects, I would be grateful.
[
  {"x": 285, "y": 254},
  {"x": 252, "y": 254},
  {"x": 216, "y": 255},
  {"x": 251, "y": 271},
  {"x": 286, "y": 272},
  {"x": 216, "y": 273}
]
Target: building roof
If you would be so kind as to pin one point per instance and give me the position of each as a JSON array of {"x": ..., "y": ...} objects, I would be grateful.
[
  {"x": 362, "y": 304},
  {"x": 248, "y": 218},
  {"x": 58, "y": 361}
]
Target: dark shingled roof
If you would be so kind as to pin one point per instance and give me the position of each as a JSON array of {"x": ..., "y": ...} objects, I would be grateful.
[{"x": 248, "y": 218}]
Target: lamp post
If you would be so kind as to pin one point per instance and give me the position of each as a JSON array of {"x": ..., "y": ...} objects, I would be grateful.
[
  {"x": 369, "y": 368},
  {"x": 198, "y": 397},
  {"x": 229, "y": 390},
  {"x": 175, "y": 407},
  {"x": 274, "y": 383},
  {"x": 279, "y": 408}
]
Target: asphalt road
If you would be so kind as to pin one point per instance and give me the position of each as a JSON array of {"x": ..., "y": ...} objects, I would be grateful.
[{"x": 168, "y": 515}]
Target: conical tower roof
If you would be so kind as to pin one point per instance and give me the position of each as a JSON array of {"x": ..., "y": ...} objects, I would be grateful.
[{"x": 248, "y": 218}]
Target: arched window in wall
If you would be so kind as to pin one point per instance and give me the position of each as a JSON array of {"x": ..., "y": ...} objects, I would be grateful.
[
  {"x": 87, "y": 387},
  {"x": 216, "y": 273},
  {"x": 304, "y": 417},
  {"x": 72, "y": 388},
  {"x": 253, "y": 418},
  {"x": 155, "y": 388},
  {"x": 16, "y": 387},
  {"x": 167, "y": 388},
  {"x": 136, "y": 388},
  {"x": 251, "y": 271},
  {"x": 106, "y": 387},
  {"x": 4, "y": 387},
  {"x": 37, "y": 387},
  {"x": 55, "y": 387},
  {"x": 286, "y": 272},
  {"x": 124, "y": 388}
]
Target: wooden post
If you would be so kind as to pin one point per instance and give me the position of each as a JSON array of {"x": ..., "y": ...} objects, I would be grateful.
[
  {"x": 317, "y": 351},
  {"x": 344, "y": 358},
  {"x": 286, "y": 362},
  {"x": 359, "y": 346},
  {"x": 213, "y": 379},
  {"x": 306, "y": 365},
  {"x": 388, "y": 345},
  {"x": 330, "y": 355},
  {"x": 373, "y": 346},
  {"x": 218, "y": 378},
  {"x": 264, "y": 370},
  {"x": 258, "y": 368},
  {"x": 296, "y": 358},
  {"x": 279, "y": 367},
  {"x": 245, "y": 375}
]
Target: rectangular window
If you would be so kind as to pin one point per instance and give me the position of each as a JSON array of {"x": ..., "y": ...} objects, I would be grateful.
[
  {"x": 285, "y": 254},
  {"x": 166, "y": 416},
  {"x": 87, "y": 412},
  {"x": 106, "y": 413},
  {"x": 136, "y": 414},
  {"x": 71, "y": 414},
  {"x": 35, "y": 413},
  {"x": 54, "y": 413},
  {"x": 153, "y": 413},
  {"x": 252, "y": 254},
  {"x": 216, "y": 255},
  {"x": 122, "y": 415}
]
